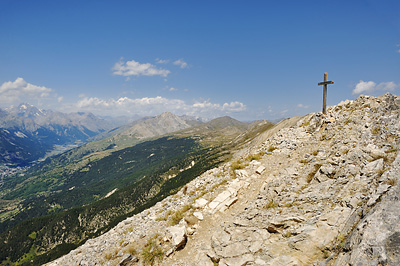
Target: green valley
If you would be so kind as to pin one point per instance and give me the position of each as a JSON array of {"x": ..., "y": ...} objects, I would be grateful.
[{"x": 60, "y": 203}]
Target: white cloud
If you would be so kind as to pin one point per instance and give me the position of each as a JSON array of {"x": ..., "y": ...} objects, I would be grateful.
[
  {"x": 370, "y": 86},
  {"x": 133, "y": 68},
  {"x": 180, "y": 63},
  {"x": 234, "y": 107},
  {"x": 154, "y": 106},
  {"x": 303, "y": 106},
  {"x": 162, "y": 61},
  {"x": 15, "y": 92},
  {"x": 172, "y": 89}
]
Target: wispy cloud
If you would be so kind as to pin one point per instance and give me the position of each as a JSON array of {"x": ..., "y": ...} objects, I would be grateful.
[
  {"x": 15, "y": 92},
  {"x": 168, "y": 88},
  {"x": 156, "y": 105},
  {"x": 303, "y": 106},
  {"x": 162, "y": 61},
  {"x": 133, "y": 68},
  {"x": 370, "y": 86},
  {"x": 181, "y": 63}
]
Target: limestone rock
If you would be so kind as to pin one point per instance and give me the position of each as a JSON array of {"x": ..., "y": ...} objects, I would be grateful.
[
  {"x": 198, "y": 215},
  {"x": 200, "y": 203},
  {"x": 178, "y": 234},
  {"x": 373, "y": 167},
  {"x": 260, "y": 169}
]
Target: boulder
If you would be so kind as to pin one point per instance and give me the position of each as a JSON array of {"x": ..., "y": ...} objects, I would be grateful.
[
  {"x": 178, "y": 235},
  {"x": 376, "y": 239}
]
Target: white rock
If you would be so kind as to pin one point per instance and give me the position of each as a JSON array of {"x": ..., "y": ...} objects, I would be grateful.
[
  {"x": 198, "y": 215},
  {"x": 373, "y": 167},
  {"x": 260, "y": 169},
  {"x": 178, "y": 234},
  {"x": 222, "y": 196},
  {"x": 213, "y": 205},
  {"x": 200, "y": 203}
]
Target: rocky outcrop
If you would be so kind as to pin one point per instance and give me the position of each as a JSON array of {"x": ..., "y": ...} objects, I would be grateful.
[
  {"x": 323, "y": 191},
  {"x": 376, "y": 239}
]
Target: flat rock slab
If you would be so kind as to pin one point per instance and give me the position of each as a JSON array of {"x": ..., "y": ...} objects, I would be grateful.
[
  {"x": 260, "y": 169},
  {"x": 200, "y": 203},
  {"x": 231, "y": 250}
]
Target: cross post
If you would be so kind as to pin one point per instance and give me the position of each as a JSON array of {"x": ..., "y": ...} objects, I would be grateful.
[{"x": 325, "y": 83}]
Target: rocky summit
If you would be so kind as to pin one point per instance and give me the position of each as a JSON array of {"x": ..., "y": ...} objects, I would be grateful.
[{"x": 316, "y": 190}]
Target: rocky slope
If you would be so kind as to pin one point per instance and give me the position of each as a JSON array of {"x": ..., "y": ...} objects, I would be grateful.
[
  {"x": 159, "y": 125},
  {"x": 318, "y": 190},
  {"x": 144, "y": 128}
]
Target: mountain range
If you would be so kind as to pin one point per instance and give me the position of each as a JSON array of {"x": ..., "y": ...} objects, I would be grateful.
[
  {"x": 84, "y": 191},
  {"x": 28, "y": 133}
]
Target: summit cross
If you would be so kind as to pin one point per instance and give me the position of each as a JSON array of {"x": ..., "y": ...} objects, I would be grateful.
[{"x": 325, "y": 83}]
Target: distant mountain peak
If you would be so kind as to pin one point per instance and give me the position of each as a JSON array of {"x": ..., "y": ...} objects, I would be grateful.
[
  {"x": 164, "y": 123},
  {"x": 167, "y": 114},
  {"x": 26, "y": 110}
]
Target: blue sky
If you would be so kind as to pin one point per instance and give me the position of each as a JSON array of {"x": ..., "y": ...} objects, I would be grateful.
[{"x": 247, "y": 59}]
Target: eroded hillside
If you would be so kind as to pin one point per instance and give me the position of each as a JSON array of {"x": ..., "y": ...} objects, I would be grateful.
[{"x": 321, "y": 191}]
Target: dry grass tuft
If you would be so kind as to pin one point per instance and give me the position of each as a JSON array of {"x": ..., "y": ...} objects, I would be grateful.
[
  {"x": 271, "y": 204},
  {"x": 271, "y": 148},
  {"x": 152, "y": 251},
  {"x": 311, "y": 175}
]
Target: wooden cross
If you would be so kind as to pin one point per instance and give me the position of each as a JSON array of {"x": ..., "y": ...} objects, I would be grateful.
[{"x": 325, "y": 83}]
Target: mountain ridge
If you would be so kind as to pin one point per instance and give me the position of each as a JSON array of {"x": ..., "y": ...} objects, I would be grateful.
[
  {"x": 100, "y": 185},
  {"x": 316, "y": 190}
]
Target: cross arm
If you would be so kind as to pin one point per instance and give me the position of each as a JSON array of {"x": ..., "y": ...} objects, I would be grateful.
[{"x": 326, "y": 82}]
